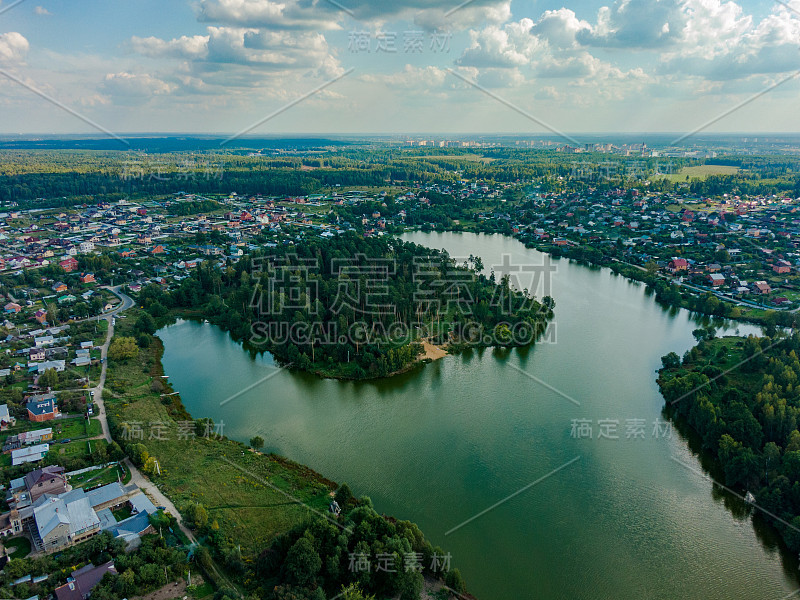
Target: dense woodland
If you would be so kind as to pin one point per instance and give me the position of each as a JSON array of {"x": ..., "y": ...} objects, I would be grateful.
[
  {"x": 52, "y": 177},
  {"x": 746, "y": 414},
  {"x": 355, "y": 307},
  {"x": 322, "y": 557}
]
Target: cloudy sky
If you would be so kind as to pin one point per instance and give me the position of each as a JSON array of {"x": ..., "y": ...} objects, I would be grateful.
[{"x": 399, "y": 66}]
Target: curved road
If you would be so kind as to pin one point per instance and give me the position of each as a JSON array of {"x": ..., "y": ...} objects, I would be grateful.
[{"x": 137, "y": 477}]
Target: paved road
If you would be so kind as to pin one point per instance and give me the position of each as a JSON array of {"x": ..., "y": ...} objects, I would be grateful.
[
  {"x": 127, "y": 302},
  {"x": 137, "y": 477},
  {"x": 158, "y": 498}
]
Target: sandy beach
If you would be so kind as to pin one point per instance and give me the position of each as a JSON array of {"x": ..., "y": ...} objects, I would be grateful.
[{"x": 433, "y": 352}]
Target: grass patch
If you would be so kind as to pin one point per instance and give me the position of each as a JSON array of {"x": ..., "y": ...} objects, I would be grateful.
[
  {"x": 18, "y": 547},
  {"x": 122, "y": 513},
  {"x": 77, "y": 448},
  {"x": 204, "y": 590},
  {"x": 699, "y": 172},
  {"x": 237, "y": 487},
  {"x": 69, "y": 429},
  {"x": 92, "y": 479}
]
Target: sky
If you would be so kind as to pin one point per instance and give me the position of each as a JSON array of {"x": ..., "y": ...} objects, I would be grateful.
[{"x": 398, "y": 66}]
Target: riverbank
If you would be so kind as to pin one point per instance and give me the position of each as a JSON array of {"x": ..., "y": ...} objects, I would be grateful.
[
  {"x": 250, "y": 499},
  {"x": 432, "y": 352},
  {"x": 667, "y": 292},
  {"x": 736, "y": 396},
  {"x": 345, "y": 325}
]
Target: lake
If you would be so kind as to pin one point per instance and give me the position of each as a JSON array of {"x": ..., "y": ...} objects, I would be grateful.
[{"x": 547, "y": 472}]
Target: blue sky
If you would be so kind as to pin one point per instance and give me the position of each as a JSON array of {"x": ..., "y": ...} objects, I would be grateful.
[{"x": 400, "y": 66}]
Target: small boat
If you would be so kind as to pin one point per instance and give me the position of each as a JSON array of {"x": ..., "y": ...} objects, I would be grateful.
[{"x": 749, "y": 498}]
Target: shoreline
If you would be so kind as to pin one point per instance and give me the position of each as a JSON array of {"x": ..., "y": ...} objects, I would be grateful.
[{"x": 549, "y": 251}]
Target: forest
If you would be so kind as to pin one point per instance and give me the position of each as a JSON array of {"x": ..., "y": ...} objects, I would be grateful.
[
  {"x": 358, "y": 554},
  {"x": 741, "y": 396},
  {"x": 48, "y": 178},
  {"x": 354, "y": 307}
]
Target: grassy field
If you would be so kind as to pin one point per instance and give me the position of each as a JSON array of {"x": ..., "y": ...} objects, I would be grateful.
[
  {"x": 92, "y": 479},
  {"x": 76, "y": 428},
  {"x": 18, "y": 547},
  {"x": 253, "y": 497},
  {"x": 77, "y": 448},
  {"x": 700, "y": 172}
]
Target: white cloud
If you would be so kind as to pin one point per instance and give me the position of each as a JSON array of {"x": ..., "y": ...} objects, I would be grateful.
[
  {"x": 13, "y": 46},
  {"x": 322, "y": 15},
  {"x": 510, "y": 46},
  {"x": 291, "y": 14},
  {"x": 637, "y": 24},
  {"x": 547, "y": 48},
  {"x": 183, "y": 47},
  {"x": 42, "y": 11},
  {"x": 722, "y": 43},
  {"x": 411, "y": 77},
  {"x": 132, "y": 86},
  {"x": 560, "y": 28}
]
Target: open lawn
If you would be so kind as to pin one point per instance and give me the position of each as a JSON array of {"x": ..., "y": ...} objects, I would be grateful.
[
  {"x": 75, "y": 428},
  {"x": 77, "y": 448},
  {"x": 699, "y": 172},
  {"x": 253, "y": 497},
  {"x": 92, "y": 479},
  {"x": 122, "y": 513},
  {"x": 18, "y": 547}
]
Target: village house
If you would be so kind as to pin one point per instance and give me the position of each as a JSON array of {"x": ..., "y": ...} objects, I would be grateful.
[
  {"x": 57, "y": 521},
  {"x": 42, "y": 408},
  {"x": 677, "y": 264},
  {"x": 761, "y": 287},
  {"x": 6, "y": 420},
  {"x": 26, "y": 490},
  {"x": 80, "y": 584},
  {"x": 782, "y": 267},
  {"x": 29, "y": 454},
  {"x": 69, "y": 264},
  {"x": 27, "y": 438}
]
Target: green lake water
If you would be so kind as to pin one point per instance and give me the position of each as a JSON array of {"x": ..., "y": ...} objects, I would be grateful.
[{"x": 444, "y": 442}]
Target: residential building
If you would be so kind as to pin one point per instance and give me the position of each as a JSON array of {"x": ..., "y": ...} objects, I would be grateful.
[
  {"x": 29, "y": 454},
  {"x": 677, "y": 264},
  {"x": 27, "y": 438},
  {"x": 69, "y": 265},
  {"x": 80, "y": 584},
  {"x": 42, "y": 408},
  {"x": 6, "y": 420},
  {"x": 782, "y": 267},
  {"x": 761, "y": 287},
  {"x": 26, "y": 490},
  {"x": 58, "y": 521}
]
